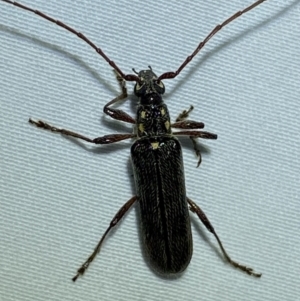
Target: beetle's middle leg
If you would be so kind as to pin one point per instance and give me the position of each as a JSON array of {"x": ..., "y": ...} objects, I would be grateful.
[
  {"x": 106, "y": 139},
  {"x": 183, "y": 123}
]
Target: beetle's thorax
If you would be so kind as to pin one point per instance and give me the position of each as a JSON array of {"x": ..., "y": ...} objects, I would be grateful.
[
  {"x": 153, "y": 120},
  {"x": 153, "y": 117}
]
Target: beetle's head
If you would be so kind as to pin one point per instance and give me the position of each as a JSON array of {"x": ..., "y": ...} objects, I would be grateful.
[{"x": 148, "y": 83}]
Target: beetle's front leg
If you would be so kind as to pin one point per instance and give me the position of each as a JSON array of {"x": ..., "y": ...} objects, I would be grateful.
[{"x": 115, "y": 113}]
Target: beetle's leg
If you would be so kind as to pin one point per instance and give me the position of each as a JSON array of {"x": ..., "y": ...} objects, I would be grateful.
[
  {"x": 100, "y": 140},
  {"x": 196, "y": 209},
  {"x": 115, "y": 113},
  {"x": 197, "y": 134},
  {"x": 184, "y": 114},
  {"x": 188, "y": 125},
  {"x": 182, "y": 123},
  {"x": 197, "y": 151},
  {"x": 114, "y": 222}
]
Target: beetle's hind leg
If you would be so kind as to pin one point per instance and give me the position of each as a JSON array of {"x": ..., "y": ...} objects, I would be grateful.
[
  {"x": 113, "y": 223},
  {"x": 196, "y": 209}
]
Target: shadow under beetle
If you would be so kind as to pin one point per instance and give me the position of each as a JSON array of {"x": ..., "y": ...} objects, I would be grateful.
[{"x": 157, "y": 163}]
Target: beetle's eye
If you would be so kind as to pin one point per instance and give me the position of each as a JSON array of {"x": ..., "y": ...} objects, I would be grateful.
[
  {"x": 160, "y": 87},
  {"x": 139, "y": 88}
]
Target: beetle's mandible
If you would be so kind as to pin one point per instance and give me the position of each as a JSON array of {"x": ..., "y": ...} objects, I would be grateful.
[{"x": 157, "y": 162}]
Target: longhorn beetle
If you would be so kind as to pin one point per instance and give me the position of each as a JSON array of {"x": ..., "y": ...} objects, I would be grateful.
[{"x": 157, "y": 162}]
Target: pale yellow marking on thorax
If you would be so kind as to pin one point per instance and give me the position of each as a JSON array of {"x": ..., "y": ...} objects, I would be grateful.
[
  {"x": 167, "y": 125},
  {"x": 155, "y": 145},
  {"x": 143, "y": 114},
  {"x": 141, "y": 127}
]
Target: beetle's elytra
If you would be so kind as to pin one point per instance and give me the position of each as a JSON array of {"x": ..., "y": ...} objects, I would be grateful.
[
  {"x": 157, "y": 162},
  {"x": 167, "y": 233}
]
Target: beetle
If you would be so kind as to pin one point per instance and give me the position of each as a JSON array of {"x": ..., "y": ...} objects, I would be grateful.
[{"x": 157, "y": 162}]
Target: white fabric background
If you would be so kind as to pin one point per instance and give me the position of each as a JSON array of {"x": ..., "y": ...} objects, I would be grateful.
[{"x": 57, "y": 196}]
